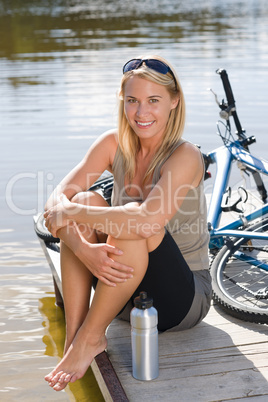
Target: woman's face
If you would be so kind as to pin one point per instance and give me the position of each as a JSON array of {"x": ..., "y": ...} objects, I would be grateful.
[{"x": 147, "y": 107}]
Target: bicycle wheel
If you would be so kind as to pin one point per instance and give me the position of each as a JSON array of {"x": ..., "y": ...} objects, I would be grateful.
[
  {"x": 240, "y": 276},
  {"x": 42, "y": 232}
]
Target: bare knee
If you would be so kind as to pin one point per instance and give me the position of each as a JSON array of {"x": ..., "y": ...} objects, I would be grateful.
[
  {"x": 135, "y": 252},
  {"x": 126, "y": 244},
  {"x": 149, "y": 244},
  {"x": 90, "y": 198}
]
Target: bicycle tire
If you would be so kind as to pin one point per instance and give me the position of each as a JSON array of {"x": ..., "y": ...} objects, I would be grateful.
[
  {"x": 103, "y": 185},
  {"x": 42, "y": 231},
  {"x": 241, "y": 288}
]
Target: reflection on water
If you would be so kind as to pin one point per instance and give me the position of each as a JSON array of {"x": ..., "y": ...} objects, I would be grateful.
[
  {"x": 60, "y": 63},
  {"x": 22, "y": 360},
  {"x": 85, "y": 389},
  {"x": 34, "y": 27},
  {"x": 32, "y": 334}
]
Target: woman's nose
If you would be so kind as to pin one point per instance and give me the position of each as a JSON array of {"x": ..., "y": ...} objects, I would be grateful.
[{"x": 142, "y": 110}]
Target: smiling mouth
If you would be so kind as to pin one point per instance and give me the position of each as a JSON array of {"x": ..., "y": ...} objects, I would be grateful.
[{"x": 144, "y": 124}]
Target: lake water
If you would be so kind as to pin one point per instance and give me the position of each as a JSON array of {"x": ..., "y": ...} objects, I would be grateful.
[{"x": 61, "y": 63}]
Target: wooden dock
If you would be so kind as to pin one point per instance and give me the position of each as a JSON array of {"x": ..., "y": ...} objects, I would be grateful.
[{"x": 221, "y": 359}]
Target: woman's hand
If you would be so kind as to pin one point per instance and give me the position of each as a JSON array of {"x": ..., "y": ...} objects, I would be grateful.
[
  {"x": 96, "y": 258},
  {"x": 57, "y": 216}
]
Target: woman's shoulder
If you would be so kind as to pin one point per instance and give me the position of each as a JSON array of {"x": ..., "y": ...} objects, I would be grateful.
[
  {"x": 109, "y": 137},
  {"x": 102, "y": 151},
  {"x": 187, "y": 148},
  {"x": 182, "y": 151},
  {"x": 186, "y": 155},
  {"x": 108, "y": 142}
]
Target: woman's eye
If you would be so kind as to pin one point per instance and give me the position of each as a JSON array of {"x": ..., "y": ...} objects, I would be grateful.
[
  {"x": 153, "y": 100},
  {"x": 132, "y": 100}
]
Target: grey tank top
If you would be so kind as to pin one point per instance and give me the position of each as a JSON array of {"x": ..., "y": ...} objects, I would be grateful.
[{"x": 188, "y": 226}]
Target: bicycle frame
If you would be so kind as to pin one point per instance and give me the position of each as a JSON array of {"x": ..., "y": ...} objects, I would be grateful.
[{"x": 223, "y": 158}]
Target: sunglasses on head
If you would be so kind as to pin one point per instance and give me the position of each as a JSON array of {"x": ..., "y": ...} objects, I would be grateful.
[{"x": 154, "y": 64}]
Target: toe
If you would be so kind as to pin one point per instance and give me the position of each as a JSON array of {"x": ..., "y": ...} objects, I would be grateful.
[
  {"x": 62, "y": 382},
  {"x": 65, "y": 377},
  {"x": 49, "y": 376},
  {"x": 62, "y": 378},
  {"x": 55, "y": 378},
  {"x": 59, "y": 387},
  {"x": 68, "y": 377}
]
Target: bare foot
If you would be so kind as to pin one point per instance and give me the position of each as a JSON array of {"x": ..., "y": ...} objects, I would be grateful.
[{"x": 76, "y": 361}]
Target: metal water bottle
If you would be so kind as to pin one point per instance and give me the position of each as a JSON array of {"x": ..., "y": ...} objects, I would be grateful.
[{"x": 144, "y": 338}]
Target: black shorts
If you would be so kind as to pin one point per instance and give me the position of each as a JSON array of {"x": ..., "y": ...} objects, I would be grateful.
[{"x": 170, "y": 282}]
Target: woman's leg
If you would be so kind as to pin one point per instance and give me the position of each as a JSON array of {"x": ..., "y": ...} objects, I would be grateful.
[
  {"x": 90, "y": 339},
  {"x": 76, "y": 287},
  {"x": 86, "y": 328},
  {"x": 76, "y": 277}
]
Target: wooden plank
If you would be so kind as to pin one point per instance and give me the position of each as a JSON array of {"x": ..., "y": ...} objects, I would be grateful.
[
  {"x": 201, "y": 364},
  {"x": 219, "y": 387},
  {"x": 107, "y": 379}
]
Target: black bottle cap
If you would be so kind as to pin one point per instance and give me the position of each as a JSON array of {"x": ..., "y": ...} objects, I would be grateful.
[{"x": 143, "y": 302}]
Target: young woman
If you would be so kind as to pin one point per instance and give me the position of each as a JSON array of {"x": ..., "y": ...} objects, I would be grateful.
[{"x": 154, "y": 236}]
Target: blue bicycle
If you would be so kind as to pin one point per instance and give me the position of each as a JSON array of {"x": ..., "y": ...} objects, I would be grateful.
[{"x": 239, "y": 249}]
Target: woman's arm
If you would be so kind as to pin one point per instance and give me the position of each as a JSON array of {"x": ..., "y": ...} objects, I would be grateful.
[
  {"x": 98, "y": 258},
  {"x": 181, "y": 172},
  {"x": 98, "y": 159}
]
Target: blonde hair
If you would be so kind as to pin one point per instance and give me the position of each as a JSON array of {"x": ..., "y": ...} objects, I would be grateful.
[{"x": 128, "y": 141}]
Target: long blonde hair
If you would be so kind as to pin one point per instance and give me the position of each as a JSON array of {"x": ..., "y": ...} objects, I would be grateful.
[{"x": 129, "y": 142}]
